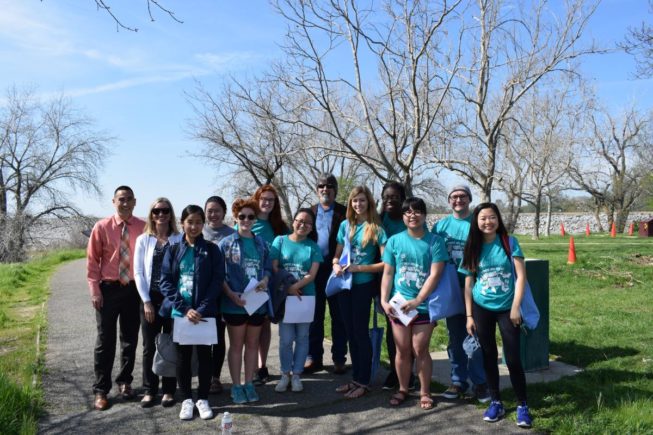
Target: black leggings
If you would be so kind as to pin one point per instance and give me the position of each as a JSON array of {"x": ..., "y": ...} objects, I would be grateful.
[
  {"x": 184, "y": 370},
  {"x": 486, "y": 322}
]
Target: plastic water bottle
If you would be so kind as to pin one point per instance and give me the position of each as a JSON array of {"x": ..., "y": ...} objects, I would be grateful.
[{"x": 226, "y": 424}]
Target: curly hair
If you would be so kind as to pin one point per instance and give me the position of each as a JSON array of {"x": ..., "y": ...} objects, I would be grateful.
[{"x": 241, "y": 203}]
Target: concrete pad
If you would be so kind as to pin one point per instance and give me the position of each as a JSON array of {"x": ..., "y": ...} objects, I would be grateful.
[{"x": 556, "y": 370}]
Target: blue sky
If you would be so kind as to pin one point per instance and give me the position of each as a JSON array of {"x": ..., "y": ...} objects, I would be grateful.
[{"x": 134, "y": 84}]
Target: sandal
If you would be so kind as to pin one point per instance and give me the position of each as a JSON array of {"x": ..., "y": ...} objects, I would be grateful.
[
  {"x": 426, "y": 401},
  {"x": 398, "y": 398},
  {"x": 346, "y": 388},
  {"x": 357, "y": 392}
]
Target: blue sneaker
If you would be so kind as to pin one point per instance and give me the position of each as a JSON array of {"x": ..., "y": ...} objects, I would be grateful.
[
  {"x": 494, "y": 412},
  {"x": 250, "y": 392},
  {"x": 524, "y": 418},
  {"x": 238, "y": 394}
]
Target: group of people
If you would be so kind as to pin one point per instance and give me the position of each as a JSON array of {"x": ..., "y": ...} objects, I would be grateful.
[{"x": 148, "y": 273}]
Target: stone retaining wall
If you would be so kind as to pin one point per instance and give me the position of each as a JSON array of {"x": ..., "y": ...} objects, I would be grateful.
[{"x": 574, "y": 223}]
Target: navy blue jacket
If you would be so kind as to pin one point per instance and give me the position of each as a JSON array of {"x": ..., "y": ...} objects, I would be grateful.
[{"x": 207, "y": 280}]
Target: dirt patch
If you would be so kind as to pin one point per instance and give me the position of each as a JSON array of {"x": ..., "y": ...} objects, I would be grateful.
[{"x": 642, "y": 260}]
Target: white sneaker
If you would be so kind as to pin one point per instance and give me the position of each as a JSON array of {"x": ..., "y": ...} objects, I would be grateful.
[
  {"x": 296, "y": 384},
  {"x": 186, "y": 412},
  {"x": 282, "y": 386},
  {"x": 205, "y": 409}
]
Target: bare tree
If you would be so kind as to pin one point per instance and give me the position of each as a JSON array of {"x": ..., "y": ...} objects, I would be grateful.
[
  {"x": 152, "y": 5},
  {"x": 382, "y": 125},
  {"x": 639, "y": 43},
  {"x": 613, "y": 161},
  {"x": 544, "y": 129},
  {"x": 46, "y": 149},
  {"x": 513, "y": 46}
]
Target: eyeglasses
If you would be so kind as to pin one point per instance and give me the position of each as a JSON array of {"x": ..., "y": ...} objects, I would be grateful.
[
  {"x": 263, "y": 199},
  {"x": 303, "y": 223},
  {"x": 246, "y": 217},
  {"x": 158, "y": 211},
  {"x": 411, "y": 212},
  {"x": 457, "y": 197},
  {"x": 391, "y": 198},
  {"x": 326, "y": 186}
]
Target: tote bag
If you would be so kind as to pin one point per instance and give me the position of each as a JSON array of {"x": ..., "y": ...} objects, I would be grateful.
[
  {"x": 447, "y": 299},
  {"x": 529, "y": 313}
]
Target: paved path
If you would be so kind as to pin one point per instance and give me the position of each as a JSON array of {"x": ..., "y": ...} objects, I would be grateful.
[{"x": 319, "y": 409}]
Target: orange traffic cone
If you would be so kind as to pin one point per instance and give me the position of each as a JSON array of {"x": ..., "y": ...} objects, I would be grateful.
[
  {"x": 613, "y": 231},
  {"x": 587, "y": 229},
  {"x": 571, "y": 258},
  {"x": 562, "y": 229},
  {"x": 631, "y": 228}
]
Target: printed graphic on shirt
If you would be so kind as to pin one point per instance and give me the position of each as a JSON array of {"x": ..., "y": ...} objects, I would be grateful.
[
  {"x": 252, "y": 265},
  {"x": 186, "y": 271},
  {"x": 411, "y": 274},
  {"x": 494, "y": 280}
]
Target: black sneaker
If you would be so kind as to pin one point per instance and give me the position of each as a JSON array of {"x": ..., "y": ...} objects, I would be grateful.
[
  {"x": 391, "y": 382},
  {"x": 262, "y": 376}
]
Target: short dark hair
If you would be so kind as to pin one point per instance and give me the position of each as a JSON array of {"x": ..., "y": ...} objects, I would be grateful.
[
  {"x": 192, "y": 209},
  {"x": 395, "y": 185},
  {"x": 217, "y": 199},
  {"x": 123, "y": 187},
  {"x": 414, "y": 203}
]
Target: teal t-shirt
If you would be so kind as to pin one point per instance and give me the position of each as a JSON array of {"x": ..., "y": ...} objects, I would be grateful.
[
  {"x": 494, "y": 288},
  {"x": 297, "y": 258},
  {"x": 263, "y": 229},
  {"x": 410, "y": 258},
  {"x": 360, "y": 254},
  {"x": 251, "y": 262},
  {"x": 392, "y": 226},
  {"x": 454, "y": 232},
  {"x": 186, "y": 276}
]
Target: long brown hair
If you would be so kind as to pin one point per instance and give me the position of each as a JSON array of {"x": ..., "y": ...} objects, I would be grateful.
[
  {"x": 373, "y": 221},
  {"x": 276, "y": 222}
]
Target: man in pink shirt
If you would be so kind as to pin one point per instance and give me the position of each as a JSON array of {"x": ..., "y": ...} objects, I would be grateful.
[{"x": 110, "y": 274}]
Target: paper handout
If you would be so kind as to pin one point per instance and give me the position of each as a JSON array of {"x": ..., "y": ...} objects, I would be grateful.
[
  {"x": 397, "y": 301},
  {"x": 253, "y": 299},
  {"x": 299, "y": 311},
  {"x": 187, "y": 332}
]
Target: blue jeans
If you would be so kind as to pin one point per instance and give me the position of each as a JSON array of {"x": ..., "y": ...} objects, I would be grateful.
[
  {"x": 289, "y": 333},
  {"x": 355, "y": 310},
  {"x": 463, "y": 367}
]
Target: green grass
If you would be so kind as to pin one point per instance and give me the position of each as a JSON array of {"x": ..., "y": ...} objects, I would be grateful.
[
  {"x": 601, "y": 319},
  {"x": 23, "y": 292}
]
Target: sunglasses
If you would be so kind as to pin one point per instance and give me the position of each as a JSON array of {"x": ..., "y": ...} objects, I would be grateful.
[
  {"x": 326, "y": 186},
  {"x": 158, "y": 211},
  {"x": 246, "y": 217}
]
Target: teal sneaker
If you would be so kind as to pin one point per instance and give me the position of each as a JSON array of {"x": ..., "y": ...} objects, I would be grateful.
[
  {"x": 238, "y": 394},
  {"x": 250, "y": 392}
]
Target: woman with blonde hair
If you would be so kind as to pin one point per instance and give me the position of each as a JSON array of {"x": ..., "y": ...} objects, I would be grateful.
[
  {"x": 160, "y": 229},
  {"x": 367, "y": 238}
]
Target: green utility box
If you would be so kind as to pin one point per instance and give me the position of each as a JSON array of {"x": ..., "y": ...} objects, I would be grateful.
[{"x": 535, "y": 343}]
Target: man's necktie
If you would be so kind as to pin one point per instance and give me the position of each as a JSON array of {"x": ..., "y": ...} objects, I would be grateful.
[{"x": 123, "y": 268}]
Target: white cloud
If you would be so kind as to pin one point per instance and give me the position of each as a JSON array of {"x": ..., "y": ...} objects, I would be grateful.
[{"x": 224, "y": 61}]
